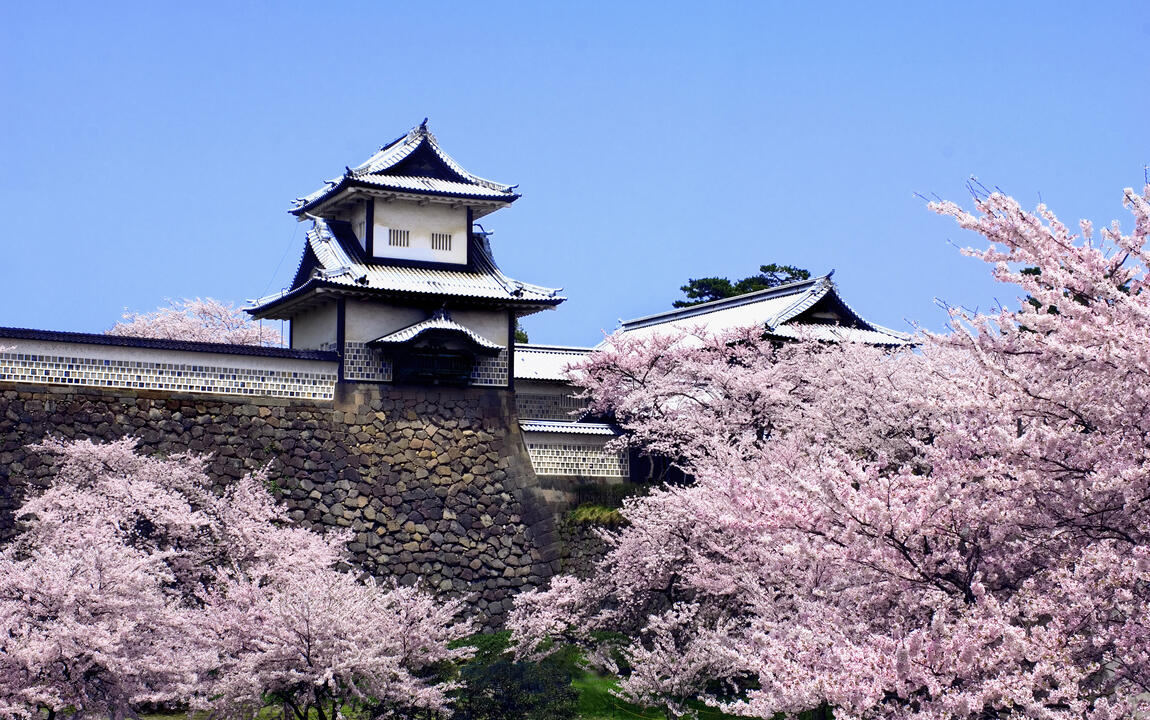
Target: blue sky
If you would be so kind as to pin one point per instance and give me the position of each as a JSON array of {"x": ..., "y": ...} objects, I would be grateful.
[{"x": 150, "y": 151}]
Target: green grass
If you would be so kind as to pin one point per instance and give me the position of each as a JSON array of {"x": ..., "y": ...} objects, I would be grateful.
[
  {"x": 597, "y": 703},
  {"x": 596, "y": 515}
]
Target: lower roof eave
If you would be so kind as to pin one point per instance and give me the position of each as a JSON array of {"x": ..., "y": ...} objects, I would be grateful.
[
  {"x": 290, "y": 303},
  {"x": 314, "y": 293},
  {"x": 483, "y": 204}
]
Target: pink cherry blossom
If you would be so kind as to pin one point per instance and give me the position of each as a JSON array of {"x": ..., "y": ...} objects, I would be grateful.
[
  {"x": 959, "y": 530},
  {"x": 198, "y": 320},
  {"x": 133, "y": 582}
]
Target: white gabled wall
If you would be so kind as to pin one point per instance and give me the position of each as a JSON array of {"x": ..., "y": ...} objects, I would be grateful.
[
  {"x": 314, "y": 329},
  {"x": 491, "y": 324},
  {"x": 359, "y": 223},
  {"x": 420, "y": 222},
  {"x": 366, "y": 321}
]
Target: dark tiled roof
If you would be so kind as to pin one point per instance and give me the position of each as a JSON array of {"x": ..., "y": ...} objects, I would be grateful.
[
  {"x": 7, "y": 333},
  {"x": 412, "y": 164},
  {"x": 568, "y": 428},
  {"x": 546, "y": 362},
  {"x": 440, "y": 322},
  {"x": 333, "y": 259},
  {"x": 780, "y": 310}
]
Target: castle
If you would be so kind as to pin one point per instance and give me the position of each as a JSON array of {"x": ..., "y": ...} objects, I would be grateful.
[{"x": 403, "y": 408}]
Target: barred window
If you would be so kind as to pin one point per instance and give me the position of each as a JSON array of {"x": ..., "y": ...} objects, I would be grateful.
[{"x": 398, "y": 238}]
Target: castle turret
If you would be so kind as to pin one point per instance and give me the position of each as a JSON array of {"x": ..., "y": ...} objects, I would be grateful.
[{"x": 395, "y": 278}]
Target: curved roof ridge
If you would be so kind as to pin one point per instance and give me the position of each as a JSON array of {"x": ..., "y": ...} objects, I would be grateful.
[
  {"x": 822, "y": 286},
  {"x": 333, "y": 260},
  {"x": 390, "y": 155},
  {"x": 831, "y": 289},
  {"x": 541, "y": 347},
  {"x": 328, "y": 250},
  {"x": 372, "y": 172},
  {"x": 721, "y": 304},
  {"x": 441, "y": 321},
  {"x": 873, "y": 326}
]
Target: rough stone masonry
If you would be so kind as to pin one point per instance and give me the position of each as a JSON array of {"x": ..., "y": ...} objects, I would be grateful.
[{"x": 436, "y": 485}]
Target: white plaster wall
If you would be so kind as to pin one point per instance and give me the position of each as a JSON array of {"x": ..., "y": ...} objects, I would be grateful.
[
  {"x": 359, "y": 223},
  {"x": 314, "y": 328},
  {"x": 368, "y": 321},
  {"x": 421, "y": 221},
  {"x": 153, "y": 355},
  {"x": 491, "y": 324}
]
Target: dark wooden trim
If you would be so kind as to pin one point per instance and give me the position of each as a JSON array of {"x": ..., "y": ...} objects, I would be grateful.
[
  {"x": 346, "y": 183},
  {"x": 467, "y": 236},
  {"x": 424, "y": 264},
  {"x": 291, "y": 334},
  {"x": 369, "y": 230},
  {"x": 8, "y": 333},
  {"x": 410, "y": 297},
  {"x": 340, "y": 333},
  {"x": 510, "y": 348}
]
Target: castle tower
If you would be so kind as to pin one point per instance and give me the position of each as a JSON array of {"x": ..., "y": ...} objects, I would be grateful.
[{"x": 395, "y": 277}]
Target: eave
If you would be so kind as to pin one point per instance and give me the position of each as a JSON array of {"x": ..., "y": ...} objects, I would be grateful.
[
  {"x": 351, "y": 188},
  {"x": 439, "y": 324},
  {"x": 412, "y": 166},
  {"x": 316, "y": 292}
]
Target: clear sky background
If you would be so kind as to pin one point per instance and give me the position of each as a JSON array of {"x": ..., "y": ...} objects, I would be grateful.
[{"x": 151, "y": 150}]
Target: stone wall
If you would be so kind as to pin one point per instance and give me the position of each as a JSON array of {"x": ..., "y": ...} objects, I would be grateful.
[
  {"x": 435, "y": 484},
  {"x": 580, "y": 547}
]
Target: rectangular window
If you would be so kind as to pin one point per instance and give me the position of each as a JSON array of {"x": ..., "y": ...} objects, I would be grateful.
[
  {"x": 441, "y": 241},
  {"x": 398, "y": 238}
]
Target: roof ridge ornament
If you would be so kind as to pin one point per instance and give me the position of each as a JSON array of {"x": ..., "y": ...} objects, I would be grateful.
[
  {"x": 384, "y": 171},
  {"x": 328, "y": 274}
]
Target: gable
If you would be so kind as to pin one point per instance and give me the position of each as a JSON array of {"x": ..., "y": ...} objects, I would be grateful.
[
  {"x": 830, "y": 310},
  {"x": 424, "y": 162}
]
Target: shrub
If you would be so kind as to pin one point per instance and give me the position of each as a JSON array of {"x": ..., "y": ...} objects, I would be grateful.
[{"x": 499, "y": 687}]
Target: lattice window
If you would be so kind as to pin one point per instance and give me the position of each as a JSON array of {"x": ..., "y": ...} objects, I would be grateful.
[
  {"x": 577, "y": 458},
  {"x": 539, "y": 406},
  {"x": 441, "y": 241},
  {"x": 398, "y": 238},
  {"x": 171, "y": 376}
]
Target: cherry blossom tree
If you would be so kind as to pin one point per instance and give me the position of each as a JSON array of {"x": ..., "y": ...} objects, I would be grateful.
[
  {"x": 326, "y": 643},
  {"x": 92, "y": 591},
  {"x": 954, "y": 531},
  {"x": 291, "y": 630},
  {"x": 198, "y": 320},
  {"x": 133, "y": 582}
]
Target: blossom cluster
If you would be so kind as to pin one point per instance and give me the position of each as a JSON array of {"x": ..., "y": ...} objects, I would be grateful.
[
  {"x": 955, "y": 530},
  {"x": 198, "y": 320},
  {"x": 132, "y": 582}
]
